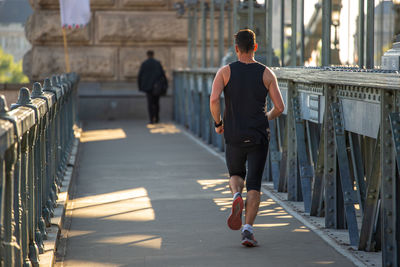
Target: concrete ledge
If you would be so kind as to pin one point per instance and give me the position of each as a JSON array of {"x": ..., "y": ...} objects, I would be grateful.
[{"x": 53, "y": 232}]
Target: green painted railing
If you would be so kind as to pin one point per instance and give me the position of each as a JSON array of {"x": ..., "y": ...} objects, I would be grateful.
[{"x": 35, "y": 140}]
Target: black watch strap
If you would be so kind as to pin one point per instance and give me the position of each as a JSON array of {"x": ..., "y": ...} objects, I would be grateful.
[{"x": 217, "y": 124}]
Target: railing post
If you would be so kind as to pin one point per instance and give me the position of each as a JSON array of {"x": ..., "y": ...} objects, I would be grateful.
[
  {"x": 291, "y": 163},
  {"x": 33, "y": 247},
  {"x": 388, "y": 182},
  {"x": 196, "y": 104},
  {"x": 306, "y": 171},
  {"x": 41, "y": 161},
  {"x": 329, "y": 161},
  {"x": 46, "y": 187},
  {"x": 11, "y": 249},
  {"x": 206, "y": 109},
  {"x": 273, "y": 150}
]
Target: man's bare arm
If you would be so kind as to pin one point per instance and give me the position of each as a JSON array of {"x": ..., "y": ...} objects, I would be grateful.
[
  {"x": 271, "y": 83},
  {"x": 217, "y": 88}
]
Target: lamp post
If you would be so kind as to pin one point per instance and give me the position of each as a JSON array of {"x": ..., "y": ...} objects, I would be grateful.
[
  {"x": 335, "y": 58},
  {"x": 336, "y": 23}
]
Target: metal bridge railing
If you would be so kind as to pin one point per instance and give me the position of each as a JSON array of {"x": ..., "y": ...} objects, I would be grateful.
[
  {"x": 336, "y": 148},
  {"x": 35, "y": 140}
]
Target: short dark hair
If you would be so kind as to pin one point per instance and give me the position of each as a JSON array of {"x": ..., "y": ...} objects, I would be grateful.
[
  {"x": 150, "y": 53},
  {"x": 245, "y": 40}
]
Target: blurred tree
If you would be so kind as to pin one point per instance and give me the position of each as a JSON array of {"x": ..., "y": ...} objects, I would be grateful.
[{"x": 11, "y": 72}]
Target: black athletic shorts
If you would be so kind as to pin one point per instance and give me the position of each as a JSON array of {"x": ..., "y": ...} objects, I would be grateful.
[{"x": 255, "y": 155}]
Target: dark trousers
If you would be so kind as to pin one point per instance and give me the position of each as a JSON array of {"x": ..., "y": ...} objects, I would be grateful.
[{"x": 153, "y": 106}]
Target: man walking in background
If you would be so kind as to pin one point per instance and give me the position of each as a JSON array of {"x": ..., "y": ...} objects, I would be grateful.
[
  {"x": 152, "y": 81},
  {"x": 245, "y": 84}
]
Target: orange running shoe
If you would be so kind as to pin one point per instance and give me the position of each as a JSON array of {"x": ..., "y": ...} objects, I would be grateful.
[{"x": 235, "y": 219}]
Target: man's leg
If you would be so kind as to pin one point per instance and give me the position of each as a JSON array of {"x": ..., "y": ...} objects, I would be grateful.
[
  {"x": 157, "y": 108},
  {"x": 236, "y": 184},
  {"x": 252, "y": 205},
  {"x": 236, "y": 162},
  {"x": 256, "y": 159},
  {"x": 150, "y": 106}
]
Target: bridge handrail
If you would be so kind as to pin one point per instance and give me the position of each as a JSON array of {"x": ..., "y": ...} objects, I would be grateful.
[
  {"x": 35, "y": 140},
  {"x": 328, "y": 75}
]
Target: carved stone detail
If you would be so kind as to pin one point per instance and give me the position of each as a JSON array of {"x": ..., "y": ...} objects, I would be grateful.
[
  {"x": 139, "y": 27},
  {"x": 141, "y": 3},
  {"x": 93, "y": 63}
]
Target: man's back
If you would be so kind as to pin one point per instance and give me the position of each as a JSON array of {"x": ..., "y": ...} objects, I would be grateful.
[
  {"x": 150, "y": 71},
  {"x": 245, "y": 95}
]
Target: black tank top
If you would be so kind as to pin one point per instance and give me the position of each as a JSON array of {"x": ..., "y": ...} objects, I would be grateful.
[{"x": 245, "y": 94}]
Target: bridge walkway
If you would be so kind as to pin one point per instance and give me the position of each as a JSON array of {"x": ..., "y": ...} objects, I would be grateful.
[{"x": 151, "y": 196}]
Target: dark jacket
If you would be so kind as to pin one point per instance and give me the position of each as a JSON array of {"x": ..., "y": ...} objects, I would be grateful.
[{"x": 150, "y": 71}]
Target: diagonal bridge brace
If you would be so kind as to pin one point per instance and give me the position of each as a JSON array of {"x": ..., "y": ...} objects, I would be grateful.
[{"x": 349, "y": 195}]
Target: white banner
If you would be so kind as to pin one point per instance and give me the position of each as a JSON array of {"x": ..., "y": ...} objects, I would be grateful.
[{"x": 74, "y": 13}]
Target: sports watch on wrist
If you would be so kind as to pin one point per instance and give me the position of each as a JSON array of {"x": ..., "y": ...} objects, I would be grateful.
[{"x": 218, "y": 124}]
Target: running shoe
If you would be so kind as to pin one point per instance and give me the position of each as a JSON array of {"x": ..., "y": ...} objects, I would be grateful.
[
  {"x": 248, "y": 239},
  {"x": 235, "y": 219}
]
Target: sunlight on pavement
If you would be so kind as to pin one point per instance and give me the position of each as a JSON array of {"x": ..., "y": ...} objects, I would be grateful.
[
  {"x": 213, "y": 183},
  {"x": 126, "y": 205},
  {"x": 324, "y": 262},
  {"x": 89, "y": 263},
  {"x": 269, "y": 225},
  {"x": 145, "y": 241},
  {"x": 301, "y": 229},
  {"x": 225, "y": 203},
  {"x": 163, "y": 128},
  {"x": 102, "y": 135}
]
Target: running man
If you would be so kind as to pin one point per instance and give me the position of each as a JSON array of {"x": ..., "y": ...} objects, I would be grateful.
[{"x": 245, "y": 84}]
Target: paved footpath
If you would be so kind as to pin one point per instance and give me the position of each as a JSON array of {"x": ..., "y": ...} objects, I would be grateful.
[{"x": 153, "y": 197}]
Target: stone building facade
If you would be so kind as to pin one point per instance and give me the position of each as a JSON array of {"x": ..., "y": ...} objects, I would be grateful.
[
  {"x": 13, "y": 41},
  {"x": 112, "y": 46},
  {"x": 13, "y": 15}
]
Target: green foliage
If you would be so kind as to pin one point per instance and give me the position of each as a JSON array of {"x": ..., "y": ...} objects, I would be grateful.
[{"x": 11, "y": 72}]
